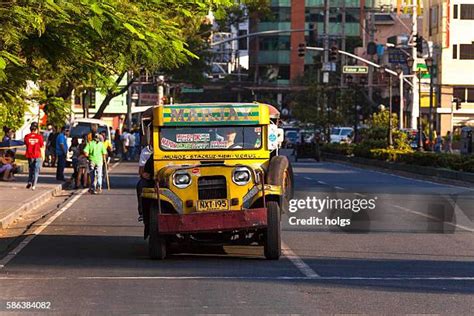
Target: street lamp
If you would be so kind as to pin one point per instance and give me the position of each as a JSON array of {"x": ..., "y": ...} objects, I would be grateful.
[
  {"x": 399, "y": 71},
  {"x": 390, "y": 123},
  {"x": 420, "y": 125},
  {"x": 429, "y": 65}
]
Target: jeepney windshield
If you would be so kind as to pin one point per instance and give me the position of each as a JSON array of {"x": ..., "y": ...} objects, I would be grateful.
[{"x": 211, "y": 138}]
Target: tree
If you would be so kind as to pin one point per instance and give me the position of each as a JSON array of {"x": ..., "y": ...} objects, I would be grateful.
[{"x": 65, "y": 44}]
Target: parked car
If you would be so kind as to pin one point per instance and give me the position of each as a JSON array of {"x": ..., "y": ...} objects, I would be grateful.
[
  {"x": 292, "y": 137},
  {"x": 341, "y": 135},
  {"x": 81, "y": 127}
]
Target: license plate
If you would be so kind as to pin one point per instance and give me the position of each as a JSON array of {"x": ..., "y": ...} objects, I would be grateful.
[{"x": 212, "y": 205}]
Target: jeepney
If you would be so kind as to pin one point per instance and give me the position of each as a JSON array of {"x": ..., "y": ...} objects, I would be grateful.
[{"x": 218, "y": 177}]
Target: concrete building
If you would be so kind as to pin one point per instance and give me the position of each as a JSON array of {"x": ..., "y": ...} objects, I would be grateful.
[
  {"x": 449, "y": 25},
  {"x": 274, "y": 65},
  {"x": 89, "y": 99}
]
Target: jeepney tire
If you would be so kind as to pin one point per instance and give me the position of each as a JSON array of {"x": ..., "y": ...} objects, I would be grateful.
[
  {"x": 272, "y": 245},
  {"x": 156, "y": 244},
  {"x": 279, "y": 173}
]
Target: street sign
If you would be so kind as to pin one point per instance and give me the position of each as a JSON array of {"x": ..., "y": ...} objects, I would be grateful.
[{"x": 355, "y": 70}]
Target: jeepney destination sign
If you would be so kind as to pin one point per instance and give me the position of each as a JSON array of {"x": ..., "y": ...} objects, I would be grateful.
[{"x": 210, "y": 115}]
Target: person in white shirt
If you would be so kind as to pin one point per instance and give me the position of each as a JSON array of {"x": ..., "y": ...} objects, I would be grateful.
[
  {"x": 146, "y": 179},
  {"x": 126, "y": 144},
  {"x": 131, "y": 143}
]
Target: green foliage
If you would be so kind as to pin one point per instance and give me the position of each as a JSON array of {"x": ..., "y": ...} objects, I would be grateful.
[
  {"x": 376, "y": 135},
  {"x": 57, "y": 111},
  {"x": 12, "y": 113},
  {"x": 339, "y": 149},
  {"x": 426, "y": 159},
  {"x": 63, "y": 44}
]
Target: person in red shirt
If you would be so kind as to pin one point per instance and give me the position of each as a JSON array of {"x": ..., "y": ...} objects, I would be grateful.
[{"x": 34, "y": 143}]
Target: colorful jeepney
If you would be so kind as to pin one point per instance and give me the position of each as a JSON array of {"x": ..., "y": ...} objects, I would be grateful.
[{"x": 218, "y": 176}]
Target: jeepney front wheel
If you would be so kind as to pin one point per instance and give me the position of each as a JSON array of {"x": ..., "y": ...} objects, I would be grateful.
[
  {"x": 272, "y": 246},
  {"x": 156, "y": 243}
]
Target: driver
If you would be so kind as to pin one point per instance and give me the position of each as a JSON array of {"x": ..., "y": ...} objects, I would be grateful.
[{"x": 229, "y": 138}]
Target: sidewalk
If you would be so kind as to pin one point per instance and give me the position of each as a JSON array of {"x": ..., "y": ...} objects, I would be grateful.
[{"x": 16, "y": 200}]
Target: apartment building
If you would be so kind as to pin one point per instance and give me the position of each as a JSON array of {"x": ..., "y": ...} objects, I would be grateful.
[{"x": 449, "y": 25}]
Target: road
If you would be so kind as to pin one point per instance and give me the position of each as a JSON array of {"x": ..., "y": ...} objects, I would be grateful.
[{"x": 398, "y": 258}]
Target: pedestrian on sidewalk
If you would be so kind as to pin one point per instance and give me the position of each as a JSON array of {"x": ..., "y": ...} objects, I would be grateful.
[
  {"x": 61, "y": 153},
  {"x": 126, "y": 144},
  {"x": 82, "y": 166},
  {"x": 51, "y": 148},
  {"x": 34, "y": 145},
  {"x": 449, "y": 142},
  {"x": 95, "y": 151},
  {"x": 74, "y": 149},
  {"x": 438, "y": 144}
]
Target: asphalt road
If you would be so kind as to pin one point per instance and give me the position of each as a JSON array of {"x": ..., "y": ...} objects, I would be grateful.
[{"x": 411, "y": 254}]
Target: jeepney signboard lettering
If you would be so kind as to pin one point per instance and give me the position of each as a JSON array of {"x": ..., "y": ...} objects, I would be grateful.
[{"x": 210, "y": 115}]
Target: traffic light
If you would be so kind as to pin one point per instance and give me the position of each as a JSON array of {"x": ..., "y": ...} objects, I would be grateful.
[
  {"x": 333, "y": 53},
  {"x": 371, "y": 48},
  {"x": 313, "y": 35},
  {"x": 301, "y": 49},
  {"x": 418, "y": 40},
  {"x": 458, "y": 103}
]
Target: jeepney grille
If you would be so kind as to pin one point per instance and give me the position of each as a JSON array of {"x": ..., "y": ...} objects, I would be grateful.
[{"x": 212, "y": 187}]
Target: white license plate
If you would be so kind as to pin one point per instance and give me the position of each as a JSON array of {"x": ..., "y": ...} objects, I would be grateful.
[{"x": 212, "y": 205}]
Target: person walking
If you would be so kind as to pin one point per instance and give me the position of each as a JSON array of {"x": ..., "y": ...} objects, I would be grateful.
[
  {"x": 126, "y": 144},
  {"x": 34, "y": 144},
  {"x": 95, "y": 151},
  {"x": 61, "y": 153},
  {"x": 449, "y": 142},
  {"x": 438, "y": 144},
  {"x": 118, "y": 144},
  {"x": 51, "y": 148}
]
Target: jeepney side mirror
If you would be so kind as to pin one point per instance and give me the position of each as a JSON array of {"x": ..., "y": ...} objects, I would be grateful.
[{"x": 280, "y": 136}]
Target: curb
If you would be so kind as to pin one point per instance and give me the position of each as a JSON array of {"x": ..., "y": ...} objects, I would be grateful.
[{"x": 31, "y": 205}]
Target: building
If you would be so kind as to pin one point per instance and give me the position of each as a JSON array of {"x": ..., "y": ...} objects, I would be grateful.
[
  {"x": 88, "y": 100},
  {"x": 449, "y": 24},
  {"x": 274, "y": 64}
]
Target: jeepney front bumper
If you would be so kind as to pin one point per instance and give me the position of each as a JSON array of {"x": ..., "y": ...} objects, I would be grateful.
[{"x": 212, "y": 221}]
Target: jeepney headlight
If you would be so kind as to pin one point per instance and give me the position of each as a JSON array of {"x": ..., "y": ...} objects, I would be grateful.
[
  {"x": 241, "y": 175},
  {"x": 181, "y": 180}
]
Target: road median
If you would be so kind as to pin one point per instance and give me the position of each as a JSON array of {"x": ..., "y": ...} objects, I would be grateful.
[{"x": 440, "y": 173}]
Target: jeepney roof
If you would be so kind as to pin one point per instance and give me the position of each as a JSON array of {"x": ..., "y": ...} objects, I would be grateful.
[{"x": 224, "y": 113}]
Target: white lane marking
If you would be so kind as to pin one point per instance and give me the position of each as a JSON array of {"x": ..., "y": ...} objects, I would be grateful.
[
  {"x": 405, "y": 178},
  {"x": 5, "y": 260},
  {"x": 177, "y": 278},
  {"x": 308, "y": 178},
  {"x": 38, "y": 230},
  {"x": 322, "y": 182},
  {"x": 338, "y": 188},
  {"x": 430, "y": 217},
  {"x": 359, "y": 194},
  {"x": 300, "y": 264}
]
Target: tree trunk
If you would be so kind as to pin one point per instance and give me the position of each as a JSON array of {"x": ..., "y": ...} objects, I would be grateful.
[{"x": 110, "y": 95}]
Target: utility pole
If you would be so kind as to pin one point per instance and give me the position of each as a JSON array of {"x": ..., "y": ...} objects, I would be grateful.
[
  {"x": 371, "y": 18},
  {"x": 326, "y": 61},
  {"x": 415, "y": 109},
  {"x": 343, "y": 39},
  {"x": 326, "y": 31}
]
